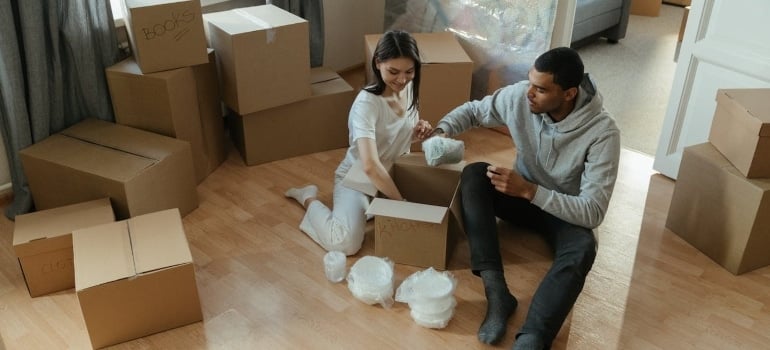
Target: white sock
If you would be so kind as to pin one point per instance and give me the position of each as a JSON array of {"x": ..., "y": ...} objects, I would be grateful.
[
  {"x": 301, "y": 194},
  {"x": 443, "y": 150}
]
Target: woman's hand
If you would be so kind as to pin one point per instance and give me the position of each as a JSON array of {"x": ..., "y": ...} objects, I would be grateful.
[{"x": 421, "y": 131}]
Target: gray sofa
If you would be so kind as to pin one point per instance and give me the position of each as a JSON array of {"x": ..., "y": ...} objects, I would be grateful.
[{"x": 600, "y": 18}]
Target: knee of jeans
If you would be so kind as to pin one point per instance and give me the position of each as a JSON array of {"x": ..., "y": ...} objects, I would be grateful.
[
  {"x": 344, "y": 239},
  {"x": 581, "y": 255},
  {"x": 474, "y": 171}
]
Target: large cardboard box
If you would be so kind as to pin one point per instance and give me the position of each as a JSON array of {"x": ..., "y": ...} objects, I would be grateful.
[
  {"x": 264, "y": 56},
  {"x": 42, "y": 241},
  {"x": 135, "y": 277},
  {"x": 182, "y": 103},
  {"x": 649, "y": 8},
  {"x": 741, "y": 129},
  {"x": 719, "y": 211},
  {"x": 141, "y": 172},
  {"x": 319, "y": 123},
  {"x": 446, "y": 72},
  {"x": 423, "y": 230},
  {"x": 165, "y": 34}
]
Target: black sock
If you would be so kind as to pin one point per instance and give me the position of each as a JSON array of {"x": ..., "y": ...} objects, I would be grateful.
[
  {"x": 500, "y": 306},
  {"x": 527, "y": 341}
]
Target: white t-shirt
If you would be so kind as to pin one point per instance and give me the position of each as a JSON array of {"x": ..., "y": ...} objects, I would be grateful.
[{"x": 371, "y": 117}]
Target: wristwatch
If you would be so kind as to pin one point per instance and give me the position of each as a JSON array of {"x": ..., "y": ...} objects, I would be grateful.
[{"x": 436, "y": 131}]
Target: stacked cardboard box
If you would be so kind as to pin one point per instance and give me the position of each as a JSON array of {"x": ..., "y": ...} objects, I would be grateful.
[
  {"x": 721, "y": 200},
  {"x": 280, "y": 107},
  {"x": 169, "y": 85}
]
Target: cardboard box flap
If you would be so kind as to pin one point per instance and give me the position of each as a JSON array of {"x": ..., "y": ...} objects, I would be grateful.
[
  {"x": 130, "y": 67},
  {"x": 321, "y": 74},
  {"x": 407, "y": 210},
  {"x": 82, "y": 155},
  {"x": 158, "y": 241},
  {"x": 102, "y": 254},
  {"x": 330, "y": 87},
  {"x": 127, "y": 139},
  {"x": 440, "y": 48},
  {"x": 51, "y": 223},
  {"x": 754, "y": 102},
  {"x": 249, "y": 19},
  {"x": 357, "y": 179}
]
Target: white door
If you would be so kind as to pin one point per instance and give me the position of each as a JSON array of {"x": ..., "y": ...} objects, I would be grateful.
[{"x": 726, "y": 44}]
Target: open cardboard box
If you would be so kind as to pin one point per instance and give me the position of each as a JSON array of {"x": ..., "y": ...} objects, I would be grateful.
[
  {"x": 43, "y": 243},
  {"x": 135, "y": 277},
  {"x": 423, "y": 230}
]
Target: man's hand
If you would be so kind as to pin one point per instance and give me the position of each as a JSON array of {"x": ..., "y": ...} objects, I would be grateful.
[{"x": 511, "y": 183}]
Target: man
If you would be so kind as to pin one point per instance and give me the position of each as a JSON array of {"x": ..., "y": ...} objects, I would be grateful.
[{"x": 567, "y": 161}]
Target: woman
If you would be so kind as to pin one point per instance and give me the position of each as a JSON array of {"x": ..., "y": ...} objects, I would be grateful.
[{"x": 382, "y": 124}]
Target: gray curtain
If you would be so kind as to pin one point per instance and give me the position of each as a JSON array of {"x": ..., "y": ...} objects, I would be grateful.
[
  {"x": 312, "y": 11},
  {"x": 52, "y": 59}
]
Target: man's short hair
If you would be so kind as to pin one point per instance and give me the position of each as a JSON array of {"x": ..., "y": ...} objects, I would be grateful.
[{"x": 565, "y": 65}]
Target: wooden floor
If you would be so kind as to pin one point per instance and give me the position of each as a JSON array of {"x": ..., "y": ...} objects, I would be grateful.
[{"x": 262, "y": 285}]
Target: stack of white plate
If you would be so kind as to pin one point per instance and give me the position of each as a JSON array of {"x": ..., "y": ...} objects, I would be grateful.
[
  {"x": 429, "y": 294},
  {"x": 371, "y": 280}
]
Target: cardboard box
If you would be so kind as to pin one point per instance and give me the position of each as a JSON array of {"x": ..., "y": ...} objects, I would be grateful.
[
  {"x": 135, "y": 277},
  {"x": 423, "y": 230},
  {"x": 42, "y": 241},
  {"x": 445, "y": 74},
  {"x": 719, "y": 211},
  {"x": 319, "y": 123},
  {"x": 141, "y": 172},
  {"x": 165, "y": 34},
  {"x": 741, "y": 130},
  {"x": 649, "y": 8},
  {"x": 264, "y": 56},
  {"x": 182, "y": 103}
]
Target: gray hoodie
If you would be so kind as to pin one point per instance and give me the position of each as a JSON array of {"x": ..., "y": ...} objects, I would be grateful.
[{"x": 574, "y": 162}]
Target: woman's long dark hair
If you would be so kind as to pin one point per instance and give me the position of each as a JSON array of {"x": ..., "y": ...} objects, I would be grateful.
[{"x": 395, "y": 44}]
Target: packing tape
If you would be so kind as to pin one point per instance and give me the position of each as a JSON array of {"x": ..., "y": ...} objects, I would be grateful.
[{"x": 270, "y": 30}]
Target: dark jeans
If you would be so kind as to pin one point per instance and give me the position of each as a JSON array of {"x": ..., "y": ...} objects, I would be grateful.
[{"x": 574, "y": 248}]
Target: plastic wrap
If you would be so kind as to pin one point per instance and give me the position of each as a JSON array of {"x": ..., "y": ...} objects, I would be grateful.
[
  {"x": 371, "y": 280},
  {"x": 502, "y": 37}
]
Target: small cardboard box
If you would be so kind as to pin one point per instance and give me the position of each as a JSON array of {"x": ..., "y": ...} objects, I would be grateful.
[
  {"x": 423, "y": 230},
  {"x": 182, "y": 103},
  {"x": 43, "y": 243},
  {"x": 319, "y": 123},
  {"x": 135, "y": 277},
  {"x": 264, "y": 56},
  {"x": 741, "y": 129},
  {"x": 719, "y": 211},
  {"x": 649, "y": 8},
  {"x": 165, "y": 34},
  {"x": 447, "y": 70},
  {"x": 141, "y": 172}
]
